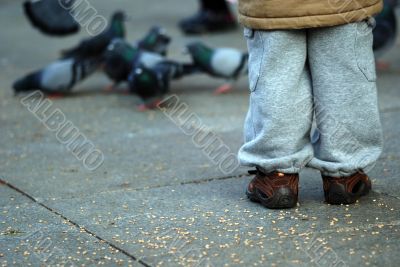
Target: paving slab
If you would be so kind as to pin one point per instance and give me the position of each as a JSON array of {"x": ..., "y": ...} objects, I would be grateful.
[
  {"x": 11, "y": 197},
  {"x": 217, "y": 221},
  {"x": 132, "y": 160},
  {"x": 31, "y": 235}
]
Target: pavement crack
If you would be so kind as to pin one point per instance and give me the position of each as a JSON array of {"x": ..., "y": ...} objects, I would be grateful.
[
  {"x": 201, "y": 181},
  {"x": 87, "y": 231}
]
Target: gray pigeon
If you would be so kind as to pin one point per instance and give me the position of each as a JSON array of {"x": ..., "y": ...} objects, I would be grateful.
[
  {"x": 120, "y": 57},
  {"x": 58, "y": 77},
  {"x": 228, "y": 63}
]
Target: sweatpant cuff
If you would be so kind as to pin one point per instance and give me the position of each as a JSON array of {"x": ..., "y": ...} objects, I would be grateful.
[
  {"x": 339, "y": 173},
  {"x": 285, "y": 170}
]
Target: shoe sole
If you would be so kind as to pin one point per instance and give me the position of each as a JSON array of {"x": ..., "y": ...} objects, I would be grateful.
[
  {"x": 283, "y": 198},
  {"x": 337, "y": 195}
]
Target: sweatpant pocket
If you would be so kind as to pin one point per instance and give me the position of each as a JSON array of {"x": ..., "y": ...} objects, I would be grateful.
[
  {"x": 363, "y": 49},
  {"x": 255, "y": 45}
]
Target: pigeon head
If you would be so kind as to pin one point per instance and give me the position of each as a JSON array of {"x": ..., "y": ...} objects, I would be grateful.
[
  {"x": 144, "y": 82},
  {"x": 118, "y": 16},
  {"x": 156, "y": 40},
  {"x": 117, "y": 24},
  {"x": 27, "y": 83}
]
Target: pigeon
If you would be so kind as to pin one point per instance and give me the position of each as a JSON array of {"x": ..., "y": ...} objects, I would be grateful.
[
  {"x": 156, "y": 41},
  {"x": 385, "y": 31},
  {"x": 50, "y": 17},
  {"x": 120, "y": 57},
  {"x": 58, "y": 77},
  {"x": 151, "y": 84},
  {"x": 95, "y": 46},
  {"x": 119, "y": 54},
  {"x": 124, "y": 62},
  {"x": 228, "y": 63}
]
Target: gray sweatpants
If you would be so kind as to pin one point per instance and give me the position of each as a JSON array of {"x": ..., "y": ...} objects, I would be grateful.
[{"x": 323, "y": 74}]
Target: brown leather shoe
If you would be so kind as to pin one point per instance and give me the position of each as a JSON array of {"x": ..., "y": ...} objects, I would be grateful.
[
  {"x": 274, "y": 190},
  {"x": 346, "y": 190}
]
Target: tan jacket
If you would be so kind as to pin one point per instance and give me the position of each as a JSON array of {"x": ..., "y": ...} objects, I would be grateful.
[{"x": 298, "y": 14}]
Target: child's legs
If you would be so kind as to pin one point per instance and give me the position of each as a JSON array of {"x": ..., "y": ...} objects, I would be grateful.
[
  {"x": 343, "y": 76},
  {"x": 276, "y": 132}
]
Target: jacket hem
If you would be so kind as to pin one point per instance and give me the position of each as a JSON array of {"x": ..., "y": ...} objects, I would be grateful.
[{"x": 305, "y": 22}]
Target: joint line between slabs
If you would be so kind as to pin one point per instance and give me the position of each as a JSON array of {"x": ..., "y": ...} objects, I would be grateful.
[{"x": 2, "y": 182}]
